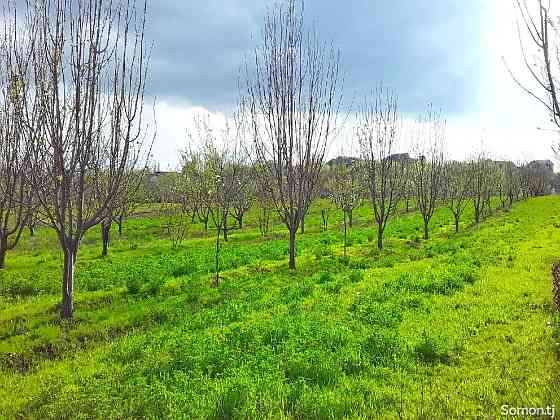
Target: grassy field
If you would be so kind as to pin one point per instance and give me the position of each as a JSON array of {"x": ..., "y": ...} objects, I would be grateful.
[{"x": 457, "y": 325}]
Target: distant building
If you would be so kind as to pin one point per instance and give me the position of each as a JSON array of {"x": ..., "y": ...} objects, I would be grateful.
[
  {"x": 544, "y": 164},
  {"x": 401, "y": 157},
  {"x": 342, "y": 160}
]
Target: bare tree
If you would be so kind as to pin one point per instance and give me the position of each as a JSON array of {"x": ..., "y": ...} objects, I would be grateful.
[
  {"x": 512, "y": 182},
  {"x": 15, "y": 194},
  {"x": 293, "y": 93},
  {"x": 458, "y": 187},
  {"x": 133, "y": 195},
  {"x": 378, "y": 131},
  {"x": 221, "y": 162},
  {"x": 481, "y": 192},
  {"x": 244, "y": 193},
  {"x": 345, "y": 189},
  {"x": 536, "y": 24},
  {"x": 176, "y": 210},
  {"x": 90, "y": 66},
  {"x": 263, "y": 194},
  {"x": 428, "y": 169}
]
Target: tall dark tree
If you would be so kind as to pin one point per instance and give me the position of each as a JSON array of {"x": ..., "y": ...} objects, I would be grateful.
[
  {"x": 89, "y": 68},
  {"x": 293, "y": 93},
  {"x": 378, "y": 134}
]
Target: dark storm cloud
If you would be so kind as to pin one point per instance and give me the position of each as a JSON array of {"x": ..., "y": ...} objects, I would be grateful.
[{"x": 429, "y": 50}]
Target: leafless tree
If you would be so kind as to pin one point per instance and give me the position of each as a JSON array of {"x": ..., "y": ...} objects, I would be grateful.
[
  {"x": 428, "y": 170},
  {"x": 345, "y": 189},
  {"x": 133, "y": 195},
  {"x": 178, "y": 219},
  {"x": 244, "y": 194},
  {"x": 293, "y": 93},
  {"x": 482, "y": 188},
  {"x": 222, "y": 160},
  {"x": 458, "y": 187},
  {"x": 15, "y": 194},
  {"x": 90, "y": 68},
  {"x": 512, "y": 181},
  {"x": 378, "y": 134},
  {"x": 540, "y": 28},
  {"x": 263, "y": 194},
  {"x": 539, "y": 179}
]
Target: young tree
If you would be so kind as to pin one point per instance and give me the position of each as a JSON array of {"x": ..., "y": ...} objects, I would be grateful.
[
  {"x": 345, "y": 189},
  {"x": 263, "y": 194},
  {"x": 428, "y": 170},
  {"x": 481, "y": 193},
  {"x": 89, "y": 67},
  {"x": 221, "y": 163},
  {"x": 133, "y": 195},
  {"x": 457, "y": 177},
  {"x": 512, "y": 182},
  {"x": 244, "y": 194},
  {"x": 293, "y": 95},
  {"x": 378, "y": 131},
  {"x": 176, "y": 209}
]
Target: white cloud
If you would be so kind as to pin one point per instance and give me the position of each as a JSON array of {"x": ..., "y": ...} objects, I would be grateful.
[{"x": 504, "y": 118}]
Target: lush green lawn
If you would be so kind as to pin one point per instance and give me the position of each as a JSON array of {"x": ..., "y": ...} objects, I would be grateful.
[{"x": 456, "y": 325}]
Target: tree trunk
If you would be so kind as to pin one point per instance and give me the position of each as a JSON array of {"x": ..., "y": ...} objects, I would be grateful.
[
  {"x": 379, "y": 237},
  {"x": 68, "y": 283},
  {"x": 426, "y": 230},
  {"x": 3, "y": 251},
  {"x": 292, "y": 263},
  {"x": 240, "y": 221},
  {"x": 302, "y": 228},
  {"x": 407, "y": 204},
  {"x": 218, "y": 259},
  {"x": 350, "y": 218},
  {"x": 206, "y": 225},
  {"x": 120, "y": 223},
  {"x": 345, "y": 234},
  {"x": 105, "y": 236},
  {"x": 225, "y": 230},
  {"x": 31, "y": 231},
  {"x": 457, "y": 216},
  {"x": 477, "y": 214}
]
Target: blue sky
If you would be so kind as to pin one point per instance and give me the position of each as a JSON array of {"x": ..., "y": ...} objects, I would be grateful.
[{"x": 445, "y": 52}]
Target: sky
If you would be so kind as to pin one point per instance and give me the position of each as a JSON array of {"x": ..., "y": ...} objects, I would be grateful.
[{"x": 446, "y": 52}]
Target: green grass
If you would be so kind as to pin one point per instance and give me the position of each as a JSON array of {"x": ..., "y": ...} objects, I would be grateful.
[{"x": 456, "y": 325}]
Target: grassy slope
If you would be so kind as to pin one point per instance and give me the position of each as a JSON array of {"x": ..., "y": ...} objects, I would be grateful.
[{"x": 460, "y": 324}]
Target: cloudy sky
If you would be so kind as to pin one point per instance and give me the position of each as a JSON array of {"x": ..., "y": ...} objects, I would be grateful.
[{"x": 445, "y": 52}]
